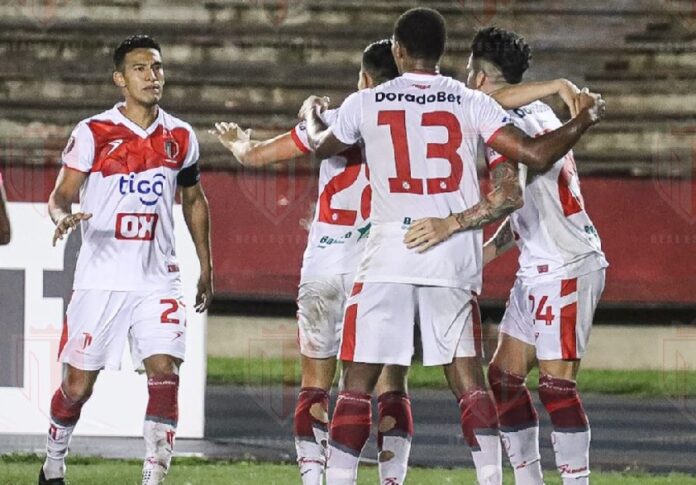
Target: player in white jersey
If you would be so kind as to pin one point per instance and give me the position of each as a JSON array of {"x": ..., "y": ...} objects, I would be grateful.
[
  {"x": 559, "y": 282},
  {"x": 5, "y": 231},
  {"x": 421, "y": 133},
  {"x": 126, "y": 164}
]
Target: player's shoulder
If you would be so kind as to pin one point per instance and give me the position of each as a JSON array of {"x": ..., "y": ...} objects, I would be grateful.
[{"x": 171, "y": 122}]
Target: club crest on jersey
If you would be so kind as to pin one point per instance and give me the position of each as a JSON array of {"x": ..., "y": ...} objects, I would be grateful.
[
  {"x": 149, "y": 191},
  {"x": 171, "y": 148}
]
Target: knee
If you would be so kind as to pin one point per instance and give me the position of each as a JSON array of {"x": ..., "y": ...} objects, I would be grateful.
[
  {"x": 562, "y": 401},
  {"x": 161, "y": 365},
  {"x": 77, "y": 390},
  {"x": 505, "y": 385}
]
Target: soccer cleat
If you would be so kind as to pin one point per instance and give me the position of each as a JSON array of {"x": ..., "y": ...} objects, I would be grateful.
[
  {"x": 53, "y": 481},
  {"x": 153, "y": 472}
]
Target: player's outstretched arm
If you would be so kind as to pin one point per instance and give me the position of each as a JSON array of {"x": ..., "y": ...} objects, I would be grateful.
[
  {"x": 256, "y": 153},
  {"x": 504, "y": 198},
  {"x": 501, "y": 242},
  {"x": 60, "y": 201},
  {"x": 516, "y": 95},
  {"x": 542, "y": 152},
  {"x": 197, "y": 217},
  {"x": 321, "y": 139},
  {"x": 5, "y": 231}
]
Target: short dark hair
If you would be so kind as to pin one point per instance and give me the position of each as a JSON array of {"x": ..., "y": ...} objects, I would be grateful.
[
  {"x": 507, "y": 50},
  {"x": 422, "y": 32},
  {"x": 133, "y": 42},
  {"x": 378, "y": 60}
]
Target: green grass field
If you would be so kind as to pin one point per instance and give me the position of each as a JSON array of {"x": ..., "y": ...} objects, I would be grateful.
[
  {"x": 23, "y": 470},
  {"x": 222, "y": 370}
]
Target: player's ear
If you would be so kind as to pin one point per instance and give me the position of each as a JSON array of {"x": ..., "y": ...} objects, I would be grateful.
[
  {"x": 367, "y": 80},
  {"x": 480, "y": 79},
  {"x": 118, "y": 79}
]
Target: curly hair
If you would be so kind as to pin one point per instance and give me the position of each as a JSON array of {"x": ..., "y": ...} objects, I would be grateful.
[{"x": 507, "y": 50}]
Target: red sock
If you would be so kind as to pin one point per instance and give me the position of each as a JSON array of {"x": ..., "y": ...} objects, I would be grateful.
[
  {"x": 65, "y": 411},
  {"x": 304, "y": 421},
  {"x": 561, "y": 400},
  {"x": 477, "y": 415},
  {"x": 352, "y": 418},
  {"x": 513, "y": 401},
  {"x": 397, "y": 405},
  {"x": 162, "y": 405}
]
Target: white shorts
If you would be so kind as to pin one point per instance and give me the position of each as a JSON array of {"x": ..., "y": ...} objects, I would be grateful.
[
  {"x": 556, "y": 316},
  {"x": 98, "y": 322},
  {"x": 380, "y": 319},
  {"x": 320, "y": 305}
]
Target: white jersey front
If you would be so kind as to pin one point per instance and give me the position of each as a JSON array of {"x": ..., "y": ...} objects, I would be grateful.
[
  {"x": 553, "y": 231},
  {"x": 128, "y": 243},
  {"x": 421, "y": 135},
  {"x": 340, "y": 226}
]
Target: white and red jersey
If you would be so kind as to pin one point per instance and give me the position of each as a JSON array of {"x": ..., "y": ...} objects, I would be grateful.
[
  {"x": 128, "y": 243},
  {"x": 340, "y": 225},
  {"x": 553, "y": 231},
  {"x": 421, "y": 135}
]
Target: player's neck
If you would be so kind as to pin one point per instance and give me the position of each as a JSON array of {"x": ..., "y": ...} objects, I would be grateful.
[
  {"x": 143, "y": 116},
  {"x": 419, "y": 66}
]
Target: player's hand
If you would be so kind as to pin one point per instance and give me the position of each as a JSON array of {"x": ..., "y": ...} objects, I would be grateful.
[
  {"x": 569, "y": 93},
  {"x": 229, "y": 133},
  {"x": 68, "y": 222},
  {"x": 204, "y": 293},
  {"x": 426, "y": 233},
  {"x": 592, "y": 103},
  {"x": 320, "y": 103}
]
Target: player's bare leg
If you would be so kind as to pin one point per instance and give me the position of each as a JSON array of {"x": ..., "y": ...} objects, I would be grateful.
[
  {"x": 519, "y": 422},
  {"x": 478, "y": 417},
  {"x": 311, "y": 425},
  {"x": 161, "y": 416},
  {"x": 395, "y": 428},
  {"x": 571, "y": 428},
  {"x": 66, "y": 405},
  {"x": 352, "y": 418}
]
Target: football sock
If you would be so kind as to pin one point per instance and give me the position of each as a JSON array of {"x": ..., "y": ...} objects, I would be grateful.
[
  {"x": 519, "y": 425},
  {"x": 571, "y": 428},
  {"x": 480, "y": 427},
  {"x": 311, "y": 433},
  {"x": 64, "y": 416},
  {"x": 161, "y": 419},
  {"x": 394, "y": 437},
  {"x": 350, "y": 429}
]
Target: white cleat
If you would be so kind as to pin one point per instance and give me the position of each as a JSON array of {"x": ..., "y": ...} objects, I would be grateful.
[{"x": 153, "y": 472}]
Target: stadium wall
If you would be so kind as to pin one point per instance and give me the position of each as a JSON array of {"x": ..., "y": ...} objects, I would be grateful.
[{"x": 647, "y": 225}]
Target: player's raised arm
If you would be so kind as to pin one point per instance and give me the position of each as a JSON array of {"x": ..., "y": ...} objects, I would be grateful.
[
  {"x": 542, "y": 152},
  {"x": 322, "y": 139},
  {"x": 60, "y": 201},
  {"x": 504, "y": 198},
  {"x": 258, "y": 153},
  {"x": 513, "y": 96},
  {"x": 5, "y": 231},
  {"x": 502, "y": 241}
]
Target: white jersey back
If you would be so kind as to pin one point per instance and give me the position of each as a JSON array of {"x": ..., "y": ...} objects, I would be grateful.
[
  {"x": 553, "y": 231},
  {"x": 340, "y": 225},
  {"x": 128, "y": 243},
  {"x": 421, "y": 135}
]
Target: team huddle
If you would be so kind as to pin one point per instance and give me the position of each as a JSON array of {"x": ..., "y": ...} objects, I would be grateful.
[{"x": 396, "y": 241}]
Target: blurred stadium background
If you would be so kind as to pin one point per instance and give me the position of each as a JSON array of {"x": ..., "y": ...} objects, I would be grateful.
[{"x": 254, "y": 61}]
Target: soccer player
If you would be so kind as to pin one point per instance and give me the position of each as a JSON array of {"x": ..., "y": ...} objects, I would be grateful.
[
  {"x": 335, "y": 244},
  {"x": 559, "y": 282},
  {"x": 5, "y": 231},
  {"x": 126, "y": 164},
  {"x": 421, "y": 132}
]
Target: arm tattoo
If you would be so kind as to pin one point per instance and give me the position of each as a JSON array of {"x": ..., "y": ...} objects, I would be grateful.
[{"x": 504, "y": 198}]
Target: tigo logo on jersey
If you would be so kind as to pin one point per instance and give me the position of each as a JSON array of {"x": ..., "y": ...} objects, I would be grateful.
[
  {"x": 136, "y": 227},
  {"x": 149, "y": 191}
]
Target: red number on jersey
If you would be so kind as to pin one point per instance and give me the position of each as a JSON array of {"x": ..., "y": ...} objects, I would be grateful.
[
  {"x": 547, "y": 315},
  {"x": 342, "y": 181},
  {"x": 571, "y": 202},
  {"x": 173, "y": 307},
  {"x": 404, "y": 182}
]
